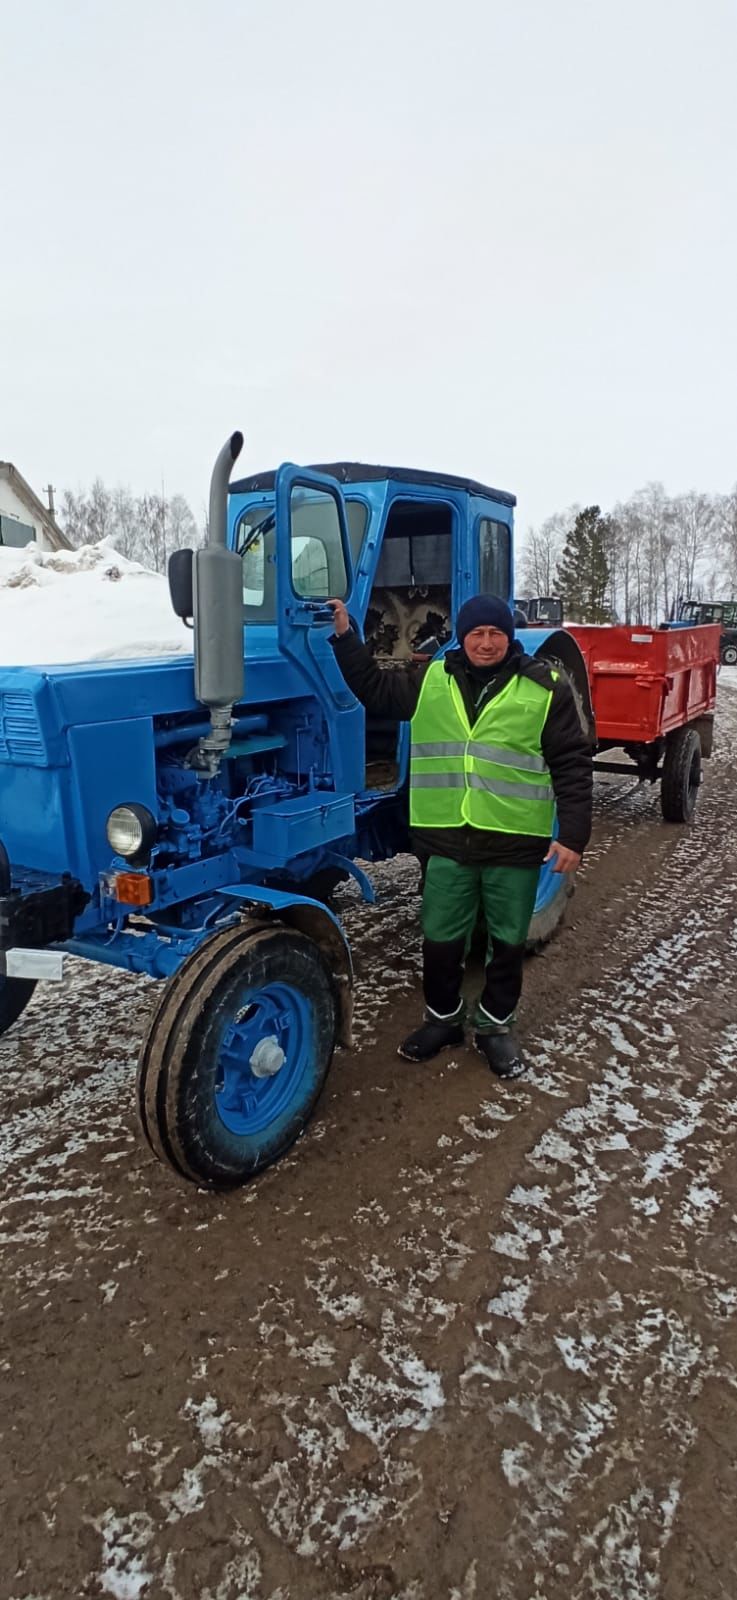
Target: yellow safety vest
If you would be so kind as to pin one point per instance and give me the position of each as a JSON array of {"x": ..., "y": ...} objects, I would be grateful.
[{"x": 492, "y": 776}]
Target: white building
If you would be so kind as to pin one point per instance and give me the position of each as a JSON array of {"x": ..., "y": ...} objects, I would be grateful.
[{"x": 24, "y": 519}]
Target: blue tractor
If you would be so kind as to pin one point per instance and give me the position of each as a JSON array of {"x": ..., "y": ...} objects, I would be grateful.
[{"x": 191, "y": 824}]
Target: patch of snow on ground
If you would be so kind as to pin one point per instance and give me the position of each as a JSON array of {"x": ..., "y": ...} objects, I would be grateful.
[{"x": 90, "y": 604}]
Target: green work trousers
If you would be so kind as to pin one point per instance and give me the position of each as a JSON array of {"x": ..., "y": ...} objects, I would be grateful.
[{"x": 454, "y": 895}]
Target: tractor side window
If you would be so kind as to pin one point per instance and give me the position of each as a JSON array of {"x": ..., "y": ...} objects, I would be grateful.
[
  {"x": 494, "y": 558},
  {"x": 356, "y": 516},
  {"x": 255, "y": 540},
  {"x": 318, "y": 562}
]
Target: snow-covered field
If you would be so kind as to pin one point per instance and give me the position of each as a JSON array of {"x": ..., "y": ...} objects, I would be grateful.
[{"x": 90, "y": 604}]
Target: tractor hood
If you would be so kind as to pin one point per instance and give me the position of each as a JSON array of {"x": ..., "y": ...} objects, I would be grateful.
[{"x": 75, "y": 741}]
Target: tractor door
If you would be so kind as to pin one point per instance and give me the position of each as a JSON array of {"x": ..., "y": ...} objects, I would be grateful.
[{"x": 313, "y": 564}]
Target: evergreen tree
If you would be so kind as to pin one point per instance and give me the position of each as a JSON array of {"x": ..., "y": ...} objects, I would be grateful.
[{"x": 582, "y": 578}]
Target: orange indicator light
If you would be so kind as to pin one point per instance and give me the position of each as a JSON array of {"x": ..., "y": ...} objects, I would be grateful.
[{"x": 133, "y": 888}]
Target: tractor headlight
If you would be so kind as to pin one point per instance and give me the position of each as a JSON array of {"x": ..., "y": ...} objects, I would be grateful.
[{"x": 131, "y": 831}]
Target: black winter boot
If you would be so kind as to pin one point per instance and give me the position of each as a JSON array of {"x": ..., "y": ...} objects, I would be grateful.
[
  {"x": 435, "y": 1034},
  {"x": 500, "y": 1051}
]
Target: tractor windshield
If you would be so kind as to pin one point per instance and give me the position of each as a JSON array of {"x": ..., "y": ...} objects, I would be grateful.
[{"x": 256, "y": 542}]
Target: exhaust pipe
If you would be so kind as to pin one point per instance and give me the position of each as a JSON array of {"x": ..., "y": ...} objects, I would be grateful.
[{"x": 218, "y": 619}]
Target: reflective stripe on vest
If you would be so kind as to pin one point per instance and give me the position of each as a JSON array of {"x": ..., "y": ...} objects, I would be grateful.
[{"x": 493, "y": 777}]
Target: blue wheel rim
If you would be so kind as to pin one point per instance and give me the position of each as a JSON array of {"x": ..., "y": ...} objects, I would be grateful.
[{"x": 246, "y": 1103}]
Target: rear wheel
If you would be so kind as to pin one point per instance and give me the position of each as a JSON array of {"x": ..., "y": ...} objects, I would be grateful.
[
  {"x": 15, "y": 994},
  {"x": 679, "y": 787},
  {"x": 237, "y": 1054}
]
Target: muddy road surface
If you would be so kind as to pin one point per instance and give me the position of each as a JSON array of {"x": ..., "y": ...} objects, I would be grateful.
[{"x": 466, "y": 1341}]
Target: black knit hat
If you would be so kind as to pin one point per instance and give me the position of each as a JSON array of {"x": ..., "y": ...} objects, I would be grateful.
[{"x": 484, "y": 611}]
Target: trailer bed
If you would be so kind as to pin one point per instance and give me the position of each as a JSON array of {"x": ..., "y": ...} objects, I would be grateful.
[{"x": 646, "y": 682}]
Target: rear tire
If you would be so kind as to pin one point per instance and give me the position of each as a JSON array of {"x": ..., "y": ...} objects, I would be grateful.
[
  {"x": 679, "y": 787},
  {"x": 15, "y": 994},
  {"x": 204, "y": 1111}
]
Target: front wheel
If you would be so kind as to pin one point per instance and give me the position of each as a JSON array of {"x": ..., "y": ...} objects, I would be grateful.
[
  {"x": 729, "y": 655},
  {"x": 15, "y": 994},
  {"x": 679, "y": 787},
  {"x": 237, "y": 1054}
]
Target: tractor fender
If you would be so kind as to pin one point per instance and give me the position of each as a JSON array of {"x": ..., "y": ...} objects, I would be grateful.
[
  {"x": 264, "y": 906},
  {"x": 561, "y": 650}
]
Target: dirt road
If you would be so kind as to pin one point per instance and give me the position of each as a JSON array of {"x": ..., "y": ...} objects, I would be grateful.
[{"x": 467, "y": 1341}]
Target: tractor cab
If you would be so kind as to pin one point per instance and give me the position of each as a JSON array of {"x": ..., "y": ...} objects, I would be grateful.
[{"x": 404, "y": 549}]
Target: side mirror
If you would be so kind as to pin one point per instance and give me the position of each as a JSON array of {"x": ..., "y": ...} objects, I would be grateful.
[{"x": 181, "y": 583}]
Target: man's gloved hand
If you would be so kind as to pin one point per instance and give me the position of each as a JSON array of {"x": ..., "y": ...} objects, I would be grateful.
[{"x": 565, "y": 860}]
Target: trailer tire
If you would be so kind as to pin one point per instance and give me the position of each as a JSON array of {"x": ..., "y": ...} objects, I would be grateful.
[
  {"x": 679, "y": 787},
  {"x": 204, "y": 1110},
  {"x": 15, "y": 994}
]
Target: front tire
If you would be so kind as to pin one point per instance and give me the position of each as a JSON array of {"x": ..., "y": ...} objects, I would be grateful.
[
  {"x": 204, "y": 1110},
  {"x": 15, "y": 994},
  {"x": 729, "y": 655}
]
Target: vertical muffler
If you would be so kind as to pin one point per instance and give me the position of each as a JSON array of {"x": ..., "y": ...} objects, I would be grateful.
[{"x": 217, "y": 609}]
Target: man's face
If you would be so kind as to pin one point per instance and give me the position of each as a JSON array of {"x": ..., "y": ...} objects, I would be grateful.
[{"x": 485, "y": 646}]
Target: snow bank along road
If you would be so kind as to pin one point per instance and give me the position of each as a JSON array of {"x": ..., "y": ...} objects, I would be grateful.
[{"x": 467, "y": 1340}]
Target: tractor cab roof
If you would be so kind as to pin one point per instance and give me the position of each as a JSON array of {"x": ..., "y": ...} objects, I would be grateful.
[{"x": 361, "y": 472}]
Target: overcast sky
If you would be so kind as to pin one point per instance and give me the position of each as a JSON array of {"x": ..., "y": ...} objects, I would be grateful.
[{"x": 495, "y": 237}]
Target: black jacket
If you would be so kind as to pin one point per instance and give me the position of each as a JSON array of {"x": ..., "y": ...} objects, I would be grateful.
[{"x": 393, "y": 692}]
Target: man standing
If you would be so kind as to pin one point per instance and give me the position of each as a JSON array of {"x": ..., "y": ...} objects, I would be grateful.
[{"x": 497, "y": 749}]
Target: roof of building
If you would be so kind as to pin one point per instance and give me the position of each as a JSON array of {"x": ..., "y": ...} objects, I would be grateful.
[
  {"x": 361, "y": 472},
  {"x": 55, "y": 535}
]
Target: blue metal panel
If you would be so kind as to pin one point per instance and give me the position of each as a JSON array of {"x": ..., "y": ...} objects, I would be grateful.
[
  {"x": 532, "y": 639},
  {"x": 33, "y": 813},
  {"x": 120, "y": 689},
  {"x": 113, "y": 764},
  {"x": 31, "y": 730},
  {"x": 288, "y": 828},
  {"x": 20, "y": 734},
  {"x": 116, "y": 690}
]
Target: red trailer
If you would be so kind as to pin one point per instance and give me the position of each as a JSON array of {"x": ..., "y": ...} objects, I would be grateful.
[{"x": 653, "y": 692}]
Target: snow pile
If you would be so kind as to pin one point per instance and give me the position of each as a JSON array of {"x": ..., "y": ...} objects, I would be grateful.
[
  {"x": 727, "y": 678},
  {"x": 90, "y": 604}
]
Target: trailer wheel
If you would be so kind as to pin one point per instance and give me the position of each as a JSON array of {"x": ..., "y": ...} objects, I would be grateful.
[
  {"x": 15, "y": 994},
  {"x": 679, "y": 787},
  {"x": 247, "y": 999},
  {"x": 729, "y": 655}
]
